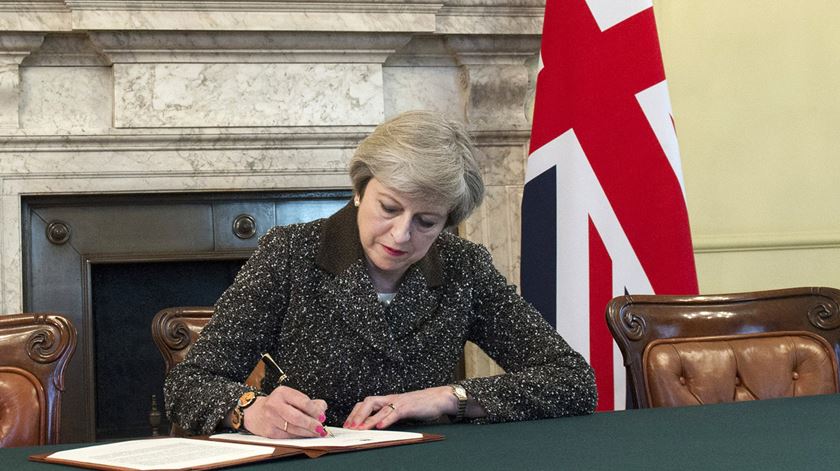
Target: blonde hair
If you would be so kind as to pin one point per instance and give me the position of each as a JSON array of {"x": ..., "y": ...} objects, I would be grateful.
[{"x": 423, "y": 155}]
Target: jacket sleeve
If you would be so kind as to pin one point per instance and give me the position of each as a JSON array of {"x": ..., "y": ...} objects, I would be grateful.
[
  {"x": 544, "y": 376},
  {"x": 206, "y": 385}
]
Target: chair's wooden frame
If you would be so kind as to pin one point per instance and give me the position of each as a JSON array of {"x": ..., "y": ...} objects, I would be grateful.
[{"x": 176, "y": 329}]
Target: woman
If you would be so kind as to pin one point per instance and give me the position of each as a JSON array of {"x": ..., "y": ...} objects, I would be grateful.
[{"x": 367, "y": 311}]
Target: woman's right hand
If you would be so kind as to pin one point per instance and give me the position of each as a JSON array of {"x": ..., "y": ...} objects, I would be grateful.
[{"x": 286, "y": 413}]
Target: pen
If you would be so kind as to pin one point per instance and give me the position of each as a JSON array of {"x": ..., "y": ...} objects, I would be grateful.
[{"x": 266, "y": 358}]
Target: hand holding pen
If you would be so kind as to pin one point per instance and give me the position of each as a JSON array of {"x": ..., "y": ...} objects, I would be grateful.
[{"x": 286, "y": 412}]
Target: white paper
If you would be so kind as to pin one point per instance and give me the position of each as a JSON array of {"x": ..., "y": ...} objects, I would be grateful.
[
  {"x": 162, "y": 453},
  {"x": 342, "y": 438}
]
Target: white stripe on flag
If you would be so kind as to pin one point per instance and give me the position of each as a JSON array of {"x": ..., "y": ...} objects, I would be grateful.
[
  {"x": 656, "y": 105},
  {"x": 609, "y": 13},
  {"x": 565, "y": 154}
]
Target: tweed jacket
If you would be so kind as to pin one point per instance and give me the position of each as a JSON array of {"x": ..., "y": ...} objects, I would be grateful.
[{"x": 305, "y": 297}]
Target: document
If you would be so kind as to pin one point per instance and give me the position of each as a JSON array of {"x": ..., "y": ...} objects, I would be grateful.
[
  {"x": 162, "y": 454},
  {"x": 342, "y": 437},
  {"x": 222, "y": 450}
]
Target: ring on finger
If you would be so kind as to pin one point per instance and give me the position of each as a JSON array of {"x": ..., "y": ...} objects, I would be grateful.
[
  {"x": 286, "y": 426},
  {"x": 392, "y": 406}
]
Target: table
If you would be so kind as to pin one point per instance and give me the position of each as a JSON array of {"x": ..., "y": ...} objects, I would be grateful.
[{"x": 789, "y": 434}]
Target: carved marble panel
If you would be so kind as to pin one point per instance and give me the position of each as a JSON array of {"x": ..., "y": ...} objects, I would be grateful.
[
  {"x": 426, "y": 88},
  {"x": 65, "y": 100},
  {"x": 197, "y": 95}
]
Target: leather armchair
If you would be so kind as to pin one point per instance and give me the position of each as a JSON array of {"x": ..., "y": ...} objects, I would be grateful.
[
  {"x": 685, "y": 350},
  {"x": 34, "y": 351}
]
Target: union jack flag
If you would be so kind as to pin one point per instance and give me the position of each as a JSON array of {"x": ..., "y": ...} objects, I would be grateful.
[{"x": 603, "y": 213}]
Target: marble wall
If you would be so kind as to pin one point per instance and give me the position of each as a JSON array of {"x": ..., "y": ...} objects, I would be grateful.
[{"x": 179, "y": 96}]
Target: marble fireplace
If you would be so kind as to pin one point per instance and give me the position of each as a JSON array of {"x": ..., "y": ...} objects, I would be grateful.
[{"x": 185, "y": 99}]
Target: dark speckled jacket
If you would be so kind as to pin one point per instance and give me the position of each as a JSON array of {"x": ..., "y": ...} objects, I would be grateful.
[{"x": 305, "y": 296}]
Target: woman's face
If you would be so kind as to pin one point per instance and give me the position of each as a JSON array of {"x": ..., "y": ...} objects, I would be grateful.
[{"x": 395, "y": 231}]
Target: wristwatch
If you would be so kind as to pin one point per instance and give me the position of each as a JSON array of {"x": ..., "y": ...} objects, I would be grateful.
[
  {"x": 461, "y": 394},
  {"x": 245, "y": 401}
]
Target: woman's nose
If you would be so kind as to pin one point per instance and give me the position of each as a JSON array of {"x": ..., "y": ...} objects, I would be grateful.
[{"x": 401, "y": 230}]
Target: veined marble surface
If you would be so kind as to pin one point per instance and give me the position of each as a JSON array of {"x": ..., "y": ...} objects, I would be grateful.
[
  {"x": 65, "y": 100},
  {"x": 192, "y": 95},
  {"x": 39, "y": 16}
]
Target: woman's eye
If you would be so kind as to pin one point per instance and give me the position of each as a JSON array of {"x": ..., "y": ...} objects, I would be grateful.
[
  {"x": 389, "y": 209},
  {"x": 427, "y": 224}
]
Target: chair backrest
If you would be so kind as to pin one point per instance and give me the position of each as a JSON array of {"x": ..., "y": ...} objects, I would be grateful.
[
  {"x": 176, "y": 329},
  {"x": 34, "y": 351},
  {"x": 681, "y": 350}
]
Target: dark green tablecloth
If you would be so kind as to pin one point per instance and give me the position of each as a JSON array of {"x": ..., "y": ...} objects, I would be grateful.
[{"x": 784, "y": 434}]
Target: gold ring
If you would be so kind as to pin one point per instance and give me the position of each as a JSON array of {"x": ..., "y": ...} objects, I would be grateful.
[
  {"x": 392, "y": 406},
  {"x": 286, "y": 426}
]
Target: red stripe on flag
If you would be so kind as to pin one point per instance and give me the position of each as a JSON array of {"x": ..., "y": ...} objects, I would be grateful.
[{"x": 600, "y": 339}]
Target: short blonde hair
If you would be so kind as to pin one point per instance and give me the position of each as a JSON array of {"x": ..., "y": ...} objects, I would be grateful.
[{"x": 423, "y": 155}]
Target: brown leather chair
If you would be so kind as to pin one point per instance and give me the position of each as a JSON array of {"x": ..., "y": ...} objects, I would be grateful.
[
  {"x": 34, "y": 350},
  {"x": 684, "y": 350},
  {"x": 176, "y": 329}
]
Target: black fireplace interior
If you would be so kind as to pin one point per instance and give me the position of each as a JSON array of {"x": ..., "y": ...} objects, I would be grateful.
[{"x": 129, "y": 368}]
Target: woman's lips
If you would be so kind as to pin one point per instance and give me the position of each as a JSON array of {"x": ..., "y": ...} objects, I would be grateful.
[{"x": 393, "y": 252}]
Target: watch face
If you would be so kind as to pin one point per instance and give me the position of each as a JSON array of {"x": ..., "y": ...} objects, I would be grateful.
[
  {"x": 247, "y": 398},
  {"x": 459, "y": 391}
]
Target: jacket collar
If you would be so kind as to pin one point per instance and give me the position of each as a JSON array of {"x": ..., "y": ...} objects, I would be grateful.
[{"x": 341, "y": 247}]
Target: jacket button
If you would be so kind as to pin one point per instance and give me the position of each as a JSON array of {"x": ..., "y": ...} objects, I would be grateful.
[
  {"x": 682, "y": 380},
  {"x": 795, "y": 375},
  {"x": 737, "y": 381}
]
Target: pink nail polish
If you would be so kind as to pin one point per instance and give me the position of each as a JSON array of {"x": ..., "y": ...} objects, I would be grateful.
[
  {"x": 322, "y": 418},
  {"x": 320, "y": 431}
]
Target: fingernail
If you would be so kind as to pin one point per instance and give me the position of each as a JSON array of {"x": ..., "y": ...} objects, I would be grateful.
[
  {"x": 320, "y": 431},
  {"x": 322, "y": 418}
]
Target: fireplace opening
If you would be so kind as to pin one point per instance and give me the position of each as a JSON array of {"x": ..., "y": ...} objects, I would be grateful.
[{"x": 129, "y": 369}]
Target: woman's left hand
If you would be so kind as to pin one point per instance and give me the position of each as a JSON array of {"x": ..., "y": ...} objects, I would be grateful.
[{"x": 382, "y": 411}]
